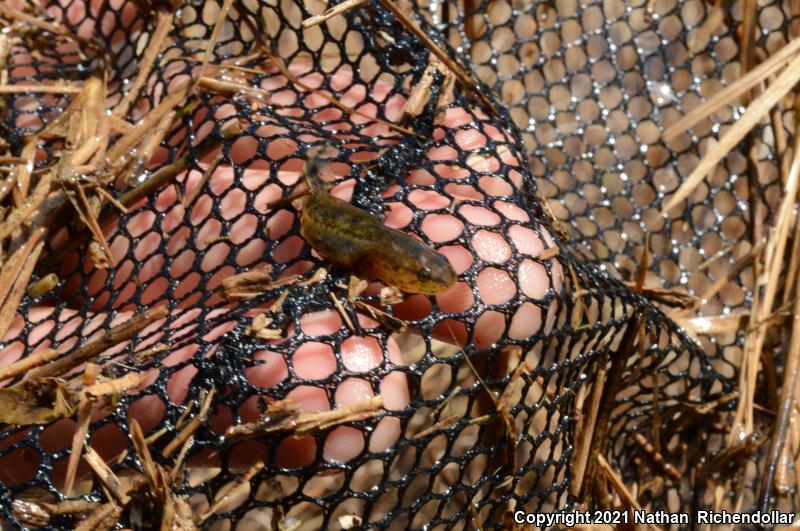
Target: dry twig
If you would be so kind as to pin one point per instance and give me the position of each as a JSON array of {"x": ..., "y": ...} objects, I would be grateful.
[
  {"x": 286, "y": 416},
  {"x": 331, "y": 12},
  {"x": 118, "y": 334}
]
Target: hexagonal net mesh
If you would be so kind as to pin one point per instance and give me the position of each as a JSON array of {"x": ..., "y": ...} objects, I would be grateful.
[{"x": 451, "y": 410}]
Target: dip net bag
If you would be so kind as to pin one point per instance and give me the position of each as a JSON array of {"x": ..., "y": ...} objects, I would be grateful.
[{"x": 211, "y": 370}]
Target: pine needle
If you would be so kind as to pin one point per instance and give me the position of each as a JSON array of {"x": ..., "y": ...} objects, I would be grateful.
[
  {"x": 154, "y": 47},
  {"x": 786, "y": 410},
  {"x": 15, "y": 276},
  {"x": 448, "y": 61},
  {"x": 15, "y": 14},
  {"x": 762, "y": 306},
  {"x": 772, "y": 65},
  {"x": 222, "y": 16},
  {"x": 338, "y": 9},
  {"x": 748, "y": 34},
  {"x": 20, "y": 214},
  {"x": 122, "y": 147},
  {"x": 754, "y": 113}
]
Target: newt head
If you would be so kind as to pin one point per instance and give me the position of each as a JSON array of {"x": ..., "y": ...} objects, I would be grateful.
[{"x": 435, "y": 274}]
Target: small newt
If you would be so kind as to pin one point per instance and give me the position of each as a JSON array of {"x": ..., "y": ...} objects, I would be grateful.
[{"x": 354, "y": 239}]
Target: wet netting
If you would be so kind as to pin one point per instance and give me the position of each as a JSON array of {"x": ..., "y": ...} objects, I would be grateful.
[{"x": 200, "y": 365}]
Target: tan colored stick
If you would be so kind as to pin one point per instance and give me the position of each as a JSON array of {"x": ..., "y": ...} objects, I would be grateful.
[{"x": 41, "y": 89}]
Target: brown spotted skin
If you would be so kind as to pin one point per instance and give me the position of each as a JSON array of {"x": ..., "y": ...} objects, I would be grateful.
[{"x": 352, "y": 238}]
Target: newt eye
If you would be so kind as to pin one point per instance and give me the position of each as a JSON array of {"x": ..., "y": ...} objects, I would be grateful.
[{"x": 424, "y": 275}]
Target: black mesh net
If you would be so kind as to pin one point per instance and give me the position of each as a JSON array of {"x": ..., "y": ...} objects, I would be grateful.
[{"x": 454, "y": 410}]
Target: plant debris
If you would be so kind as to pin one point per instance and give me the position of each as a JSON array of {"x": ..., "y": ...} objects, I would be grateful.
[{"x": 285, "y": 416}]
